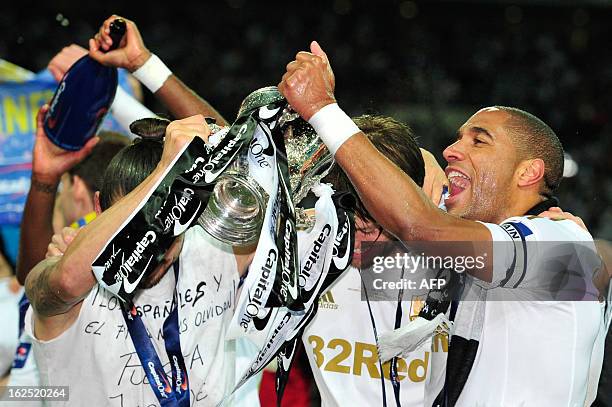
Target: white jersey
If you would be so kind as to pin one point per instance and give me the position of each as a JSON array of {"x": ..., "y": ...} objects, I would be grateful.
[
  {"x": 342, "y": 352},
  {"x": 24, "y": 371},
  {"x": 535, "y": 353},
  {"x": 96, "y": 356},
  {"x": 9, "y": 321},
  {"x": 248, "y": 394}
]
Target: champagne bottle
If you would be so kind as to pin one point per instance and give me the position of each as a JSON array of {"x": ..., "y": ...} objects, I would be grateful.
[{"x": 82, "y": 98}]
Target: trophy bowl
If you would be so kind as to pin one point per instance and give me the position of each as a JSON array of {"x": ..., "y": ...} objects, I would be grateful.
[{"x": 236, "y": 207}]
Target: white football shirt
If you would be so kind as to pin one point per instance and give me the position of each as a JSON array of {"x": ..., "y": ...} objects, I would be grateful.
[
  {"x": 9, "y": 321},
  {"x": 342, "y": 352},
  {"x": 96, "y": 356},
  {"x": 535, "y": 353}
]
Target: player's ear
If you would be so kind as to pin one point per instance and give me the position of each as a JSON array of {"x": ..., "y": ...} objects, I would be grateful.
[{"x": 530, "y": 172}]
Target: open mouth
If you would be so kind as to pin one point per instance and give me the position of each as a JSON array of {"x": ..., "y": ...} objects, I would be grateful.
[{"x": 458, "y": 182}]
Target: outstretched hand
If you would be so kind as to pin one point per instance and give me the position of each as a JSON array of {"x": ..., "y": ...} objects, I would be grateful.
[
  {"x": 309, "y": 83},
  {"x": 131, "y": 53}
]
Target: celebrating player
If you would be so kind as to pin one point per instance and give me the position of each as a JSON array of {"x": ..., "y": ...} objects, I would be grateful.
[
  {"x": 354, "y": 376},
  {"x": 504, "y": 165},
  {"x": 79, "y": 329}
]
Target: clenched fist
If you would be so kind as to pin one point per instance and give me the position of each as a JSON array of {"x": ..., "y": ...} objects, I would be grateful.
[
  {"x": 131, "y": 53},
  {"x": 60, "y": 242},
  {"x": 308, "y": 85},
  {"x": 179, "y": 133}
]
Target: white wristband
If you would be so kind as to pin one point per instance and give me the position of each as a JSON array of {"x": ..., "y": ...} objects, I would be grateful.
[
  {"x": 152, "y": 73},
  {"x": 333, "y": 126}
]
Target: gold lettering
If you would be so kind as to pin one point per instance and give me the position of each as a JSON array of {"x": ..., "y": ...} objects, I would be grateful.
[
  {"x": 345, "y": 351},
  {"x": 370, "y": 361},
  {"x": 440, "y": 339},
  {"x": 365, "y": 354},
  {"x": 317, "y": 346},
  {"x": 415, "y": 365}
]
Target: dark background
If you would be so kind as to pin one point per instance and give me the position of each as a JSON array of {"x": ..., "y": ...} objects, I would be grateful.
[{"x": 429, "y": 63}]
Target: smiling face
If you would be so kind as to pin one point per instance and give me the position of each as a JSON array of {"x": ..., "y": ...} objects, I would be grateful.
[{"x": 481, "y": 168}]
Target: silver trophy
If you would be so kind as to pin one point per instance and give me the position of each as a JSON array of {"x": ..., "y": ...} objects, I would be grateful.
[{"x": 237, "y": 206}]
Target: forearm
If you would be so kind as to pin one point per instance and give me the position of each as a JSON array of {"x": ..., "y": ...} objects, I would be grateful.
[
  {"x": 54, "y": 310},
  {"x": 36, "y": 226},
  {"x": 183, "y": 102},
  {"x": 82, "y": 251},
  {"x": 56, "y": 284},
  {"x": 398, "y": 204},
  {"x": 390, "y": 195}
]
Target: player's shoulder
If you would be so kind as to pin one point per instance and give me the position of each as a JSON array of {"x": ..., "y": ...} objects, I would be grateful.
[{"x": 545, "y": 229}]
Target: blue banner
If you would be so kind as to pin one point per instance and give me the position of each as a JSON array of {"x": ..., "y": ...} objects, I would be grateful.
[{"x": 20, "y": 99}]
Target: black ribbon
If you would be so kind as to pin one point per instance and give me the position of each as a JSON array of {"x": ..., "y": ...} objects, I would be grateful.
[
  {"x": 344, "y": 246},
  {"x": 179, "y": 199}
]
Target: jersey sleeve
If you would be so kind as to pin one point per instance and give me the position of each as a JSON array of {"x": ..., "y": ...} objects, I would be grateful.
[{"x": 531, "y": 252}]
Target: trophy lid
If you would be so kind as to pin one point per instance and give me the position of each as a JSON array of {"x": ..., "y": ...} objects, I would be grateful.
[{"x": 260, "y": 97}]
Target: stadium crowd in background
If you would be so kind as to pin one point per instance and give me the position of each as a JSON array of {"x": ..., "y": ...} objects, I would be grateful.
[{"x": 55, "y": 252}]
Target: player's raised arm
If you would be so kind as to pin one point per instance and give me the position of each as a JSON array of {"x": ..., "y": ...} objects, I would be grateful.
[
  {"x": 58, "y": 283},
  {"x": 394, "y": 200},
  {"x": 134, "y": 56},
  {"x": 48, "y": 164}
]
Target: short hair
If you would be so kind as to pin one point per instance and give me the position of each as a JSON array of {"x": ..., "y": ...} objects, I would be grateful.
[
  {"x": 133, "y": 163},
  {"x": 91, "y": 169},
  {"x": 535, "y": 139},
  {"x": 394, "y": 140}
]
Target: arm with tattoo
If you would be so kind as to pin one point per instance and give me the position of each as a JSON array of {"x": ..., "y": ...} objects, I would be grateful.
[
  {"x": 57, "y": 285},
  {"x": 48, "y": 164},
  {"x": 44, "y": 292},
  {"x": 54, "y": 309}
]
